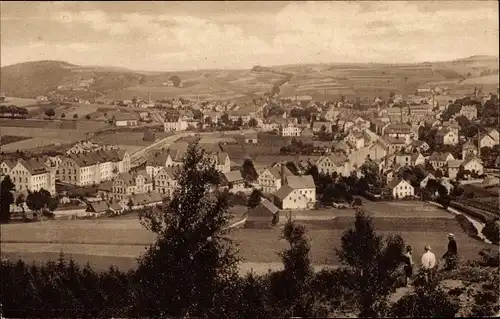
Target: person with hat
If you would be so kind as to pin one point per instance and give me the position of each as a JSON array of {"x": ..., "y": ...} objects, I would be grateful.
[{"x": 451, "y": 254}]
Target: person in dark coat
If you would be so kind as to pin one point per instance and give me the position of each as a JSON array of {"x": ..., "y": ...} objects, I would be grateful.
[
  {"x": 408, "y": 267},
  {"x": 451, "y": 254}
]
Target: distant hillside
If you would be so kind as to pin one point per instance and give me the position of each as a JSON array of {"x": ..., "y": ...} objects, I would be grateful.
[
  {"x": 320, "y": 81},
  {"x": 29, "y": 79}
]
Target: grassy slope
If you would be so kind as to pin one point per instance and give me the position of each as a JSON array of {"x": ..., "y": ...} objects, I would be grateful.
[{"x": 113, "y": 240}]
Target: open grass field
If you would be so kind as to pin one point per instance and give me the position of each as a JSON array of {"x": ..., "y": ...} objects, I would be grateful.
[
  {"x": 8, "y": 139},
  {"x": 17, "y": 101},
  {"x": 120, "y": 241},
  {"x": 31, "y": 143}
]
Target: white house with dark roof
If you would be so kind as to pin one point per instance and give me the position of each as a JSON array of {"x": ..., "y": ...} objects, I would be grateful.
[
  {"x": 30, "y": 175},
  {"x": 272, "y": 178},
  {"x": 438, "y": 160},
  {"x": 328, "y": 164},
  {"x": 175, "y": 124},
  {"x": 299, "y": 192},
  {"x": 400, "y": 188}
]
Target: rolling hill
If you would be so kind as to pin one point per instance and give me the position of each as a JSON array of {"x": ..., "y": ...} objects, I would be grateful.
[{"x": 321, "y": 81}]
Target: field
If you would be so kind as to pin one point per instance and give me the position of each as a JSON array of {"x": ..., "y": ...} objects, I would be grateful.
[
  {"x": 8, "y": 139},
  {"x": 210, "y": 85},
  {"x": 41, "y": 133},
  {"x": 120, "y": 241}
]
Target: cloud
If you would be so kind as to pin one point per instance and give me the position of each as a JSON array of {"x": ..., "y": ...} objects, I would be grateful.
[{"x": 237, "y": 35}]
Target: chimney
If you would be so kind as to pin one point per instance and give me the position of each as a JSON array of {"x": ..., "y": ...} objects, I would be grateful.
[{"x": 282, "y": 172}]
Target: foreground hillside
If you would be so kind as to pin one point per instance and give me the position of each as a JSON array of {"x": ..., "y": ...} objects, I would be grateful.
[{"x": 319, "y": 81}]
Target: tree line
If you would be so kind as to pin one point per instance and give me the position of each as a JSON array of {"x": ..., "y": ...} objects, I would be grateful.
[
  {"x": 192, "y": 271},
  {"x": 13, "y": 111}
]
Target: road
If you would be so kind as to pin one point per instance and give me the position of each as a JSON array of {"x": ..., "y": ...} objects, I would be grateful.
[{"x": 139, "y": 156}]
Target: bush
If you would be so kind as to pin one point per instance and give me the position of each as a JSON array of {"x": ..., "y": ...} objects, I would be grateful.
[
  {"x": 467, "y": 226},
  {"x": 492, "y": 231}
]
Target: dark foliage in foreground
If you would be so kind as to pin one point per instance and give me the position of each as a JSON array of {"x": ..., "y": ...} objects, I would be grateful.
[{"x": 191, "y": 271}]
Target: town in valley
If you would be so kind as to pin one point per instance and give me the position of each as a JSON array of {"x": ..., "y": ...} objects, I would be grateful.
[{"x": 88, "y": 150}]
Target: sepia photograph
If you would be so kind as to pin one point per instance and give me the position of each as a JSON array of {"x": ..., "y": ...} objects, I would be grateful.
[{"x": 249, "y": 159}]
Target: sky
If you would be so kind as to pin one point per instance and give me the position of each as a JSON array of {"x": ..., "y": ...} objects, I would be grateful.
[{"x": 169, "y": 36}]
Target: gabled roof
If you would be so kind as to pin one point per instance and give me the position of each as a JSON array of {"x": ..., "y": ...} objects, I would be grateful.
[
  {"x": 123, "y": 116},
  {"x": 265, "y": 210},
  {"x": 233, "y": 176},
  {"x": 439, "y": 157},
  {"x": 276, "y": 171},
  {"x": 301, "y": 182},
  {"x": 395, "y": 182},
  {"x": 34, "y": 166},
  {"x": 468, "y": 145},
  {"x": 284, "y": 191},
  {"x": 99, "y": 207},
  {"x": 469, "y": 159},
  {"x": 455, "y": 163}
]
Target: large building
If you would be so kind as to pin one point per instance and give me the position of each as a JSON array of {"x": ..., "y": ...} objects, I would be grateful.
[
  {"x": 127, "y": 184},
  {"x": 289, "y": 130},
  {"x": 30, "y": 175},
  {"x": 175, "y": 124},
  {"x": 92, "y": 167}
]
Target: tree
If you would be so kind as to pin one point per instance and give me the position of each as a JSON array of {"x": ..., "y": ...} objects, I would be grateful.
[
  {"x": 372, "y": 263},
  {"x": 6, "y": 198},
  {"x": 52, "y": 204},
  {"x": 225, "y": 119},
  {"x": 426, "y": 301},
  {"x": 239, "y": 122},
  {"x": 19, "y": 202},
  {"x": 175, "y": 80},
  {"x": 253, "y": 123},
  {"x": 291, "y": 289},
  {"x": 149, "y": 136},
  {"x": 63, "y": 115},
  {"x": 248, "y": 170},
  {"x": 255, "y": 198},
  {"x": 75, "y": 116},
  {"x": 192, "y": 263},
  {"x": 50, "y": 113},
  {"x": 37, "y": 200},
  {"x": 275, "y": 90}
]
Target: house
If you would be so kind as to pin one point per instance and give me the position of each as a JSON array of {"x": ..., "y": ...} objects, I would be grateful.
[
  {"x": 438, "y": 160},
  {"x": 289, "y": 129},
  {"x": 394, "y": 144},
  {"x": 221, "y": 161},
  {"x": 272, "y": 178},
  {"x": 165, "y": 181},
  {"x": 251, "y": 138},
  {"x": 473, "y": 164},
  {"x": 468, "y": 148},
  {"x": 115, "y": 208},
  {"x": 469, "y": 111},
  {"x": 493, "y": 132},
  {"x": 104, "y": 190},
  {"x": 377, "y": 150},
  {"x": 398, "y": 130},
  {"x": 417, "y": 159},
  {"x": 174, "y": 123},
  {"x": 453, "y": 167},
  {"x": 356, "y": 140},
  {"x": 446, "y": 136},
  {"x": 128, "y": 184},
  {"x": 122, "y": 119},
  {"x": 92, "y": 167},
  {"x": 137, "y": 201},
  {"x": 233, "y": 180},
  {"x": 97, "y": 208},
  {"x": 427, "y": 178},
  {"x": 320, "y": 126},
  {"x": 400, "y": 188},
  {"x": 30, "y": 175},
  {"x": 299, "y": 192},
  {"x": 486, "y": 140},
  {"x": 264, "y": 215},
  {"x": 328, "y": 164},
  {"x": 403, "y": 159}
]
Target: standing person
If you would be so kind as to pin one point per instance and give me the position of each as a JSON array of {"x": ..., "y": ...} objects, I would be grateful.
[
  {"x": 408, "y": 265},
  {"x": 428, "y": 262},
  {"x": 451, "y": 254}
]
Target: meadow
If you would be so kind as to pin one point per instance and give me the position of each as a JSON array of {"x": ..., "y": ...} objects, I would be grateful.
[{"x": 120, "y": 241}]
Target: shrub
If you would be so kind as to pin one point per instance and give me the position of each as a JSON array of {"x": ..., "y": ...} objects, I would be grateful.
[{"x": 492, "y": 231}]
